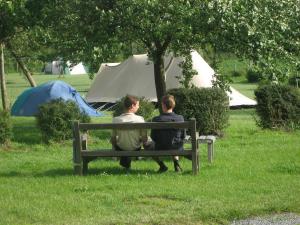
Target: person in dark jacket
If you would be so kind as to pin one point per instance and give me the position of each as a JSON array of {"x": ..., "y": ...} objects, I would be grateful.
[{"x": 166, "y": 139}]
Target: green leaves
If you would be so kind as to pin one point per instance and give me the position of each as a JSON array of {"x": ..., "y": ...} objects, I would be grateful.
[{"x": 101, "y": 31}]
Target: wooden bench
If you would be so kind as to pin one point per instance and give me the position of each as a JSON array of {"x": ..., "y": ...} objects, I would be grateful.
[{"x": 82, "y": 155}]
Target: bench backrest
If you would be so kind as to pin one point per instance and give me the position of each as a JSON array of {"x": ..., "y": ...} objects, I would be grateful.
[{"x": 78, "y": 128}]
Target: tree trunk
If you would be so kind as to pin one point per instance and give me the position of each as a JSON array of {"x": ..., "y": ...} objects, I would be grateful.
[
  {"x": 22, "y": 66},
  {"x": 5, "y": 101},
  {"x": 159, "y": 77}
]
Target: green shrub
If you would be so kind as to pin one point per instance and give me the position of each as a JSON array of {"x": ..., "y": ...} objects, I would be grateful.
[
  {"x": 294, "y": 81},
  {"x": 236, "y": 73},
  {"x": 5, "y": 127},
  {"x": 278, "y": 106},
  {"x": 55, "y": 119},
  {"x": 146, "y": 109},
  {"x": 209, "y": 106},
  {"x": 253, "y": 76}
]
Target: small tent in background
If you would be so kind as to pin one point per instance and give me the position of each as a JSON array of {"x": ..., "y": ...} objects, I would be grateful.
[
  {"x": 54, "y": 67},
  {"x": 136, "y": 76},
  {"x": 28, "y": 102},
  {"x": 76, "y": 69},
  {"x": 57, "y": 67}
]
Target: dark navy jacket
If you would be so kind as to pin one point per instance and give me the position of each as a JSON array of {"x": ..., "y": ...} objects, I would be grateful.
[{"x": 168, "y": 138}]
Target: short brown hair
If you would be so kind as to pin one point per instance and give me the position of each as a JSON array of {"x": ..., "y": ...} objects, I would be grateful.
[
  {"x": 130, "y": 100},
  {"x": 168, "y": 101}
]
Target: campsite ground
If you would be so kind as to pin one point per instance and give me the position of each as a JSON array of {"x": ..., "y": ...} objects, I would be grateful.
[{"x": 255, "y": 172}]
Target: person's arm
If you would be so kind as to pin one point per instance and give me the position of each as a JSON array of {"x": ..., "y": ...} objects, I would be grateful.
[{"x": 144, "y": 137}]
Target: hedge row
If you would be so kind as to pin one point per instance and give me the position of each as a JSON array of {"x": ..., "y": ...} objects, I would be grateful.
[
  {"x": 209, "y": 106},
  {"x": 278, "y": 106}
]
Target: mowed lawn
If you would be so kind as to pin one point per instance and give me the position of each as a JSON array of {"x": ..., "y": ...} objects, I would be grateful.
[{"x": 254, "y": 172}]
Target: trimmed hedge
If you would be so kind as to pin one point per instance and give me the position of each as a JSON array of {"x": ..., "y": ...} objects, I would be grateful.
[
  {"x": 5, "y": 127},
  {"x": 146, "y": 109},
  {"x": 209, "y": 106},
  {"x": 278, "y": 106},
  {"x": 236, "y": 73},
  {"x": 253, "y": 76},
  {"x": 55, "y": 119}
]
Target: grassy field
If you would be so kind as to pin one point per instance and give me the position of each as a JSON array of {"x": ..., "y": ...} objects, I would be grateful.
[{"x": 254, "y": 172}]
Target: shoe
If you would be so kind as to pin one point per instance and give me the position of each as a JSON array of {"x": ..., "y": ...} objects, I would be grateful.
[
  {"x": 177, "y": 168},
  {"x": 162, "y": 169},
  {"x": 124, "y": 165},
  {"x": 125, "y": 162}
]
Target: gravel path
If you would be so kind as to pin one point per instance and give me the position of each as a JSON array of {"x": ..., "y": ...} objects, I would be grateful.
[{"x": 276, "y": 219}]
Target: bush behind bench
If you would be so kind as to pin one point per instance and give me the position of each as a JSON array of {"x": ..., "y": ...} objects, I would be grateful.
[{"x": 209, "y": 106}]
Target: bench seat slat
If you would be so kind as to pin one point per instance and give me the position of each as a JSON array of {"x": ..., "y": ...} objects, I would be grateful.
[{"x": 110, "y": 153}]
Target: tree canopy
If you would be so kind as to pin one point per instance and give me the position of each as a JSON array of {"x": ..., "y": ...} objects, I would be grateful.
[{"x": 97, "y": 31}]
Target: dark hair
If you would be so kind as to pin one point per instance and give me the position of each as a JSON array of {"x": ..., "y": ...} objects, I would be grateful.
[
  {"x": 130, "y": 100},
  {"x": 168, "y": 101}
]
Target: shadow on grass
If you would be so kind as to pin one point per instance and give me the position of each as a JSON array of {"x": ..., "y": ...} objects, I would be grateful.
[
  {"x": 49, "y": 173},
  {"x": 104, "y": 171},
  {"x": 118, "y": 171}
]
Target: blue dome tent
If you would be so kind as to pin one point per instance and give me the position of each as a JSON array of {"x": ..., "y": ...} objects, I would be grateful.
[{"x": 28, "y": 102}]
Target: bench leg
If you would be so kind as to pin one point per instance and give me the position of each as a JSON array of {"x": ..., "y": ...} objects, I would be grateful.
[
  {"x": 210, "y": 152},
  {"x": 198, "y": 157},
  {"x": 85, "y": 167},
  {"x": 198, "y": 162},
  {"x": 77, "y": 161},
  {"x": 195, "y": 163},
  {"x": 78, "y": 168}
]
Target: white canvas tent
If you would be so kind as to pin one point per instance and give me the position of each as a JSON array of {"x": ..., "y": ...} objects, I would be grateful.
[
  {"x": 56, "y": 67},
  {"x": 135, "y": 76},
  {"x": 76, "y": 69}
]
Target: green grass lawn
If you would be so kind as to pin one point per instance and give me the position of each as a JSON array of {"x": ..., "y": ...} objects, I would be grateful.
[
  {"x": 254, "y": 172},
  {"x": 241, "y": 84}
]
